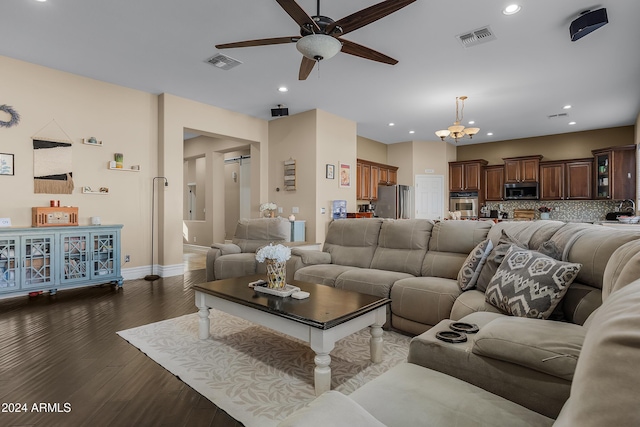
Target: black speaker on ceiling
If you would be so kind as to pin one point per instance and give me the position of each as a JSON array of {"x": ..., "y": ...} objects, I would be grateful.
[
  {"x": 589, "y": 21},
  {"x": 278, "y": 112}
]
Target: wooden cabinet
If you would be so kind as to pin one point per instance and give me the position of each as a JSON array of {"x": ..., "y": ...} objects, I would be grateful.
[
  {"x": 566, "y": 180},
  {"x": 369, "y": 175},
  {"x": 39, "y": 259},
  {"x": 494, "y": 183},
  {"x": 466, "y": 176},
  {"x": 615, "y": 173},
  {"x": 521, "y": 169}
]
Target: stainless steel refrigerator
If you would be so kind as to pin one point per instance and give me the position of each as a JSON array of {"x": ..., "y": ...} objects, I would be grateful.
[{"x": 395, "y": 201}]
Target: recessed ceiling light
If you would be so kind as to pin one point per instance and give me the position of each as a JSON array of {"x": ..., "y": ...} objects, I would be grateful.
[
  {"x": 572, "y": 123},
  {"x": 41, "y": 1},
  {"x": 511, "y": 9},
  {"x": 472, "y": 122},
  {"x": 566, "y": 107},
  {"x": 489, "y": 133},
  {"x": 412, "y": 131},
  {"x": 283, "y": 89},
  {"x": 392, "y": 124}
]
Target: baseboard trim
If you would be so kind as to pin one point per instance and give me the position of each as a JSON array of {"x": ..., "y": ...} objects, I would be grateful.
[{"x": 161, "y": 270}]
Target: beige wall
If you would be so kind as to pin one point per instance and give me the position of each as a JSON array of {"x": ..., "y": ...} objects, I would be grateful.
[
  {"x": 564, "y": 146},
  {"x": 54, "y": 104},
  {"x": 313, "y": 139},
  {"x": 371, "y": 150}
]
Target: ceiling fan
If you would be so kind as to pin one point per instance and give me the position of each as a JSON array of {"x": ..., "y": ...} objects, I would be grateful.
[{"x": 321, "y": 37}]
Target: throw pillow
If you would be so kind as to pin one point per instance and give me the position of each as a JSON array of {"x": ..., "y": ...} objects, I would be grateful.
[
  {"x": 468, "y": 274},
  {"x": 495, "y": 258},
  {"x": 530, "y": 284}
]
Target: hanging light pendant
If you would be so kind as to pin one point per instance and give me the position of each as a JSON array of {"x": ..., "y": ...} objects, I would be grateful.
[{"x": 457, "y": 131}]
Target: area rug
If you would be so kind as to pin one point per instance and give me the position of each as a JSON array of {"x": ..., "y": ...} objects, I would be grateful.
[{"x": 256, "y": 375}]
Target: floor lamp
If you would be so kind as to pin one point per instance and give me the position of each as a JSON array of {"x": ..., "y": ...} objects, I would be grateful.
[{"x": 151, "y": 277}]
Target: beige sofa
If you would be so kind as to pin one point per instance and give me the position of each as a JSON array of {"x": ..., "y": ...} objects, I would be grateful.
[
  {"x": 238, "y": 258},
  {"x": 603, "y": 392}
]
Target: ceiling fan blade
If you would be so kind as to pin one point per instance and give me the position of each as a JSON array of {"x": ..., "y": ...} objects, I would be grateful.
[
  {"x": 364, "y": 52},
  {"x": 298, "y": 14},
  {"x": 368, "y": 15},
  {"x": 259, "y": 42},
  {"x": 305, "y": 68}
]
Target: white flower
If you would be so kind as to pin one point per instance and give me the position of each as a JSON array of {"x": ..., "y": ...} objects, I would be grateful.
[
  {"x": 268, "y": 207},
  {"x": 279, "y": 253}
]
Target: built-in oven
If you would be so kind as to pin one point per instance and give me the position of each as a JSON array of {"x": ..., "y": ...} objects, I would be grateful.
[{"x": 465, "y": 202}]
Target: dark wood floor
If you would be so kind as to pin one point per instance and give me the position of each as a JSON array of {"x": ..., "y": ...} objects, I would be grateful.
[{"x": 64, "y": 349}]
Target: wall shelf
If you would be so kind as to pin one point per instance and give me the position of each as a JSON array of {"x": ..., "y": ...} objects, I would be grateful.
[
  {"x": 88, "y": 190},
  {"x": 123, "y": 169},
  {"x": 95, "y": 144}
]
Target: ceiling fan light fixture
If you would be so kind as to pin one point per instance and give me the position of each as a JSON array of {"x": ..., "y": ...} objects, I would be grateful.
[{"x": 318, "y": 46}]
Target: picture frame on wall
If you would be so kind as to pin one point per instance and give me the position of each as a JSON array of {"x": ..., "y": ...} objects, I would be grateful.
[
  {"x": 330, "y": 172},
  {"x": 345, "y": 175},
  {"x": 6, "y": 164}
]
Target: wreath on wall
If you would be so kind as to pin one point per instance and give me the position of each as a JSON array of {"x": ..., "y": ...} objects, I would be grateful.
[{"x": 15, "y": 117}]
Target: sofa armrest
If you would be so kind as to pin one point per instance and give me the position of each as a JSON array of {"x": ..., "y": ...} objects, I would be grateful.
[
  {"x": 542, "y": 345},
  {"x": 227, "y": 248},
  {"x": 331, "y": 409},
  {"x": 312, "y": 257}
]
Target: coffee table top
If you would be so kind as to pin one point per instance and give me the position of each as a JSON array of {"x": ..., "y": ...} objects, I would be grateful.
[{"x": 325, "y": 308}]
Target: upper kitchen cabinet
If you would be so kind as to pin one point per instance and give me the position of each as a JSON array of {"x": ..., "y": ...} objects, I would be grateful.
[
  {"x": 467, "y": 175},
  {"x": 369, "y": 175},
  {"x": 521, "y": 169},
  {"x": 615, "y": 172},
  {"x": 566, "y": 180},
  {"x": 494, "y": 183}
]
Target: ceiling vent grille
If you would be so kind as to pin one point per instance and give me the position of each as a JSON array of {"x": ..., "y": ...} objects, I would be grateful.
[
  {"x": 476, "y": 37},
  {"x": 557, "y": 116},
  {"x": 223, "y": 62}
]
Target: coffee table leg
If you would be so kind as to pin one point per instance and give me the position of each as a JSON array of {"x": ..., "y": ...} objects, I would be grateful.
[
  {"x": 203, "y": 324},
  {"x": 375, "y": 343},
  {"x": 322, "y": 373}
]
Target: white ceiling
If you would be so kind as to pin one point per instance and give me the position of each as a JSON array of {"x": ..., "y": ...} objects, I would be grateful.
[{"x": 513, "y": 83}]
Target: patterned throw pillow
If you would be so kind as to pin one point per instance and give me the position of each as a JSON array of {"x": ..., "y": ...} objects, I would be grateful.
[
  {"x": 495, "y": 258},
  {"x": 530, "y": 284},
  {"x": 468, "y": 274}
]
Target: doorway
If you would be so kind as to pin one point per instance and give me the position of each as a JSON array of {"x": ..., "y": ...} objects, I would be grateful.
[{"x": 430, "y": 197}]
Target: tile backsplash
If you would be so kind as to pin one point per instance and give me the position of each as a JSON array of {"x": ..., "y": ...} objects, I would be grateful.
[{"x": 570, "y": 211}]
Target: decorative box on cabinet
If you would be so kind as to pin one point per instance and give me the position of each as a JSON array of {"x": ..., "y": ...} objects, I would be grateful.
[
  {"x": 615, "y": 173},
  {"x": 521, "y": 169},
  {"x": 36, "y": 259}
]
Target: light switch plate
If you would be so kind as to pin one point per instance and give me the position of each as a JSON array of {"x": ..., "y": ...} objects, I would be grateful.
[{"x": 295, "y": 209}]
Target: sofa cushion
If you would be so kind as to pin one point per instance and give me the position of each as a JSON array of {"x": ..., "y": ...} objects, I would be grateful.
[
  {"x": 471, "y": 301},
  {"x": 549, "y": 347},
  {"x": 529, "y": 284},
  {"x": 252, "y": 234},
  {"x": 410, "y": 395},
  {"x": 234, "y": 265},
  {"x": 425, "y": 300},
  {"x": 322, "y": 274},
  {"x": 402, "y": 245},
  {"x": 352, "y": 241},
  {"x": 468, "y": 275},
  {"x": 331, "y": 408},
  {"x": 495, "y": 258},
  {"x": 369, "y": 281}
]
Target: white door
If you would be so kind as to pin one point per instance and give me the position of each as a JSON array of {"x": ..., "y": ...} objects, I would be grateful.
[{"x": 430, "y": 197}]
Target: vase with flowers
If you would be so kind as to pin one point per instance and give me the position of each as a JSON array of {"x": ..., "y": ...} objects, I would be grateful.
[
  {"x": 544, "y": 212},
  {"x": 268, "y": 210},
  {"x": 275, "y": 257}
]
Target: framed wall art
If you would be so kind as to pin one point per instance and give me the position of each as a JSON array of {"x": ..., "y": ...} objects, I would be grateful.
[
  {"x": 345, "y": 175},
  {"x": 330, "y": 172},
  {"x": 6, "y": 164}
]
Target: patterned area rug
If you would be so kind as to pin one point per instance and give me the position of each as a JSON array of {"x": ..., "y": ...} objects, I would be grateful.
[{"x": 256, "y": 375}]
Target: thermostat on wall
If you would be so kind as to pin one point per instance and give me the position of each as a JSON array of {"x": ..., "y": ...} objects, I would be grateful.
[{"x": 5, "y": 222}]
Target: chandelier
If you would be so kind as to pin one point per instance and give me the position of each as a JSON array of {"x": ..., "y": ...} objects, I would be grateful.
[{"x": 458, "y": 131}]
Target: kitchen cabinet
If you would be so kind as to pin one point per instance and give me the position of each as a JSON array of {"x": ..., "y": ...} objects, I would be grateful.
[
  {"x": 521, "y": 169},
  {"x": 36, "y": 259},
  {"x": 615, "y": 173},
  {"x": 466, "y": 175},
  {"x": 494, "y": 183},
  {"x": 371, "y": 174},
  {"x": 566, "y": 180}
]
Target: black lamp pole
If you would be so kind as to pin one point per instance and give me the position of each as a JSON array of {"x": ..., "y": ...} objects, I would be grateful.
[{"x": 151, "y": 277}]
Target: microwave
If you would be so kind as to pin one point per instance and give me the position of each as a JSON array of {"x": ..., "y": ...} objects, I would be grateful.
[{"x": 521, "y": 191}]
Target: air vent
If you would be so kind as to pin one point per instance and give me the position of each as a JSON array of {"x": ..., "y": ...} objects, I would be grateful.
[
  {"x": 557, "y": 116},
  {"x": 223, "y": 62},
  {"x": 476, "y": 37}
]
